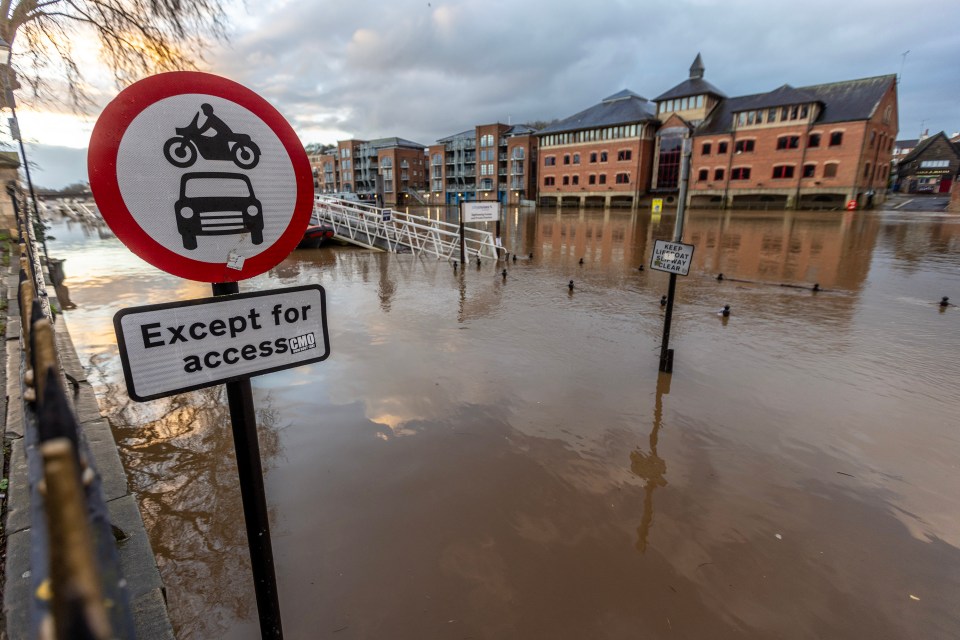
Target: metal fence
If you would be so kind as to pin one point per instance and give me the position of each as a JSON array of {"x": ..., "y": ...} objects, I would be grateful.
[{"x": 77, "y": 590}]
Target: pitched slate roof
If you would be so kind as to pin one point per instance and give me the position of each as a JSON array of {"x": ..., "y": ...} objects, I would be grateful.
[
  {"x": 690, "y": 87},
  {"x": 694, "y": 85},
  {"x": 623, "y": 107},
  {"x": 852, "y": 99},
  {"x": 925, "y": 144},
  {"x": 842, "y": 102}
]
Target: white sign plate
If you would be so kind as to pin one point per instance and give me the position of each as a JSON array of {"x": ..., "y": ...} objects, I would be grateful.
[
  {"x": 672, "y": 257},
  {"x": 481, "y": 211},
  {"x": 181, "y": 346}
]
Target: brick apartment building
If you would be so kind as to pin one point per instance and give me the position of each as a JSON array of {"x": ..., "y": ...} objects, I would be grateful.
[
  {"x": 600, "y": 156},
  {"x": 392, "y": 170},
  {"x": 819, "y": 146},
  {"x": 489, "y": 162},
  {"x": 813, "y": 147}
]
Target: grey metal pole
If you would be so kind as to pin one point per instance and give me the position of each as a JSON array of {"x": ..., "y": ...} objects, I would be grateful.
[
  {"x": 666, "y": 353},
  {"x": 463, "y": 253}
]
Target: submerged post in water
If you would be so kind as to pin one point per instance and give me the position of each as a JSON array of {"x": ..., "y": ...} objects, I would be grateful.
[{"x": 666, "y": 353}]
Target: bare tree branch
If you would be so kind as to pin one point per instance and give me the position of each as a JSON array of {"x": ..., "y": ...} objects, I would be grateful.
[{"x": 136, "y": 37}]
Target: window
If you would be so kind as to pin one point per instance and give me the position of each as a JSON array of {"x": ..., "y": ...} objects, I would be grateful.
[
  {"x": 836, "y": 138},
  {"x": 549, "y": 161},
  {"x": 721, "y": 147},
  {"x": 813, "y": 140},
  {"x": 718, "y": 174},
  {"x": 549, "y": 181},
  {"x": 566, "y": 158},
  {"x": 576, "y": 158},
  {"x": 623, "y": 178},
  {"x": 873, "y": 138},
  {"x": 486, "y": 140},
  {"x": 486, "y": 184},
  {"x": 809, "y": 170},
  {"x": 804, "y": 110},
  {"x": 603, "y": 156},
  {"x": 624, "y": 154},
  {"x": 603, "y": 178},
  {"x": 592, "y": 179},
  {"x": 704, "y": 174},
  {"x": 740, "y": 173},
  {"x": 932, "y": 164},
  {"x": 566, "y": 180},
  {"x": 576, "y": 179},
  {"x": 518, "y": 153},
  {"x": 788, "y": 142},
  {"x": 866, "y": 170},
  {"x": 744, "y": 146},
  {"x": 705, "y": 150},
  {"x": 830, "y": 170},
  {"x": 783, "y": 171},
  {"x": 699, "y": 101},
  {"x": 772, "y": 115},
  {"x": 593, "y": 156}
]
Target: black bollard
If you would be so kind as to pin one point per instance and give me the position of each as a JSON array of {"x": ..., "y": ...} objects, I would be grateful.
[
  {"x": 531, "y": 255},
  {"x": 663, "y": 301},
  {"x": 945, "y": 301},
  {"x": 719, "y": 276},
  {"x": 514, "y": 257},
  {"x": 570, "y": 285},
  {"x": 581, "y": 260},
  {"x": 454, "y": 265},
  {"x": 725, "y": 312},
  {"x": 816, "y": 286},
  {"x": 504, "y": 274},
  {"x": 640, "y": 268}
]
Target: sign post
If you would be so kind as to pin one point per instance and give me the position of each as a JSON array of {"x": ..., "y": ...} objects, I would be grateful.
[
  {"x": 666, "y": 353},
  {"x": 477, "y": 212},
  {"x": 204, "y": 179}
]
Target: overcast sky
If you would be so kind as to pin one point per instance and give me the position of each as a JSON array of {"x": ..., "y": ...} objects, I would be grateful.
[{"x": 423, "y": 70}]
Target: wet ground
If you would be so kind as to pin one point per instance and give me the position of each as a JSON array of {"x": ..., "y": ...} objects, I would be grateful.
[{"x": 484, "y": 457}]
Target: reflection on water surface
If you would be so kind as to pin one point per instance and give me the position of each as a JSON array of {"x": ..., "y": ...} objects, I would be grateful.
[{"x": 496, "y": 457}]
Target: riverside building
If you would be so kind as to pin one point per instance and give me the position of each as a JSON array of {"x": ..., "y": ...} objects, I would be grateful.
[
  {"x": 819, "y": 146},
  {"x": 493, "y": 162},
  {"x": 389, "y": 171}
]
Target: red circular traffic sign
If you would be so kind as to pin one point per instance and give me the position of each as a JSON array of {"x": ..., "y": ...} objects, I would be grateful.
[{"x": 200, "y": 177}]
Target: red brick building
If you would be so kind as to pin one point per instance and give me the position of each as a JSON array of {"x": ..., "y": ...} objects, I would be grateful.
[
  {"x": 489, "y": 162},
  {"x": 600, "y": 156},
  {"x": 390, "y": 171},
  {"x": 819, "y": 146}
]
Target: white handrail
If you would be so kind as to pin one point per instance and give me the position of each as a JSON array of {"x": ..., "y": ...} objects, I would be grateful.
[{"x": 365, "y": 225}]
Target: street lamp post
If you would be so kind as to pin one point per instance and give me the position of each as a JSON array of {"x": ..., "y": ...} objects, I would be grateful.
[{"x": 6, "y": 71}]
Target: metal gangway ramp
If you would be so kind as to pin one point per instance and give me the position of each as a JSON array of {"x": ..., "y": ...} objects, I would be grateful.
[{"x": 398, "y": 232}]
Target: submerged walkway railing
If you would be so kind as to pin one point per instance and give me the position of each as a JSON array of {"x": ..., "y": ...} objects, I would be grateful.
[{"x": 395, "y": 231}]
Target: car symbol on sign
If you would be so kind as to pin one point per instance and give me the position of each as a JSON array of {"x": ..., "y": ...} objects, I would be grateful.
[{"x": 215, "y": 203}]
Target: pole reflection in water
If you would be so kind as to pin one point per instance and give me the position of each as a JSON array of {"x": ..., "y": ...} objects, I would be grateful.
[{"x": 650, "y": 466}]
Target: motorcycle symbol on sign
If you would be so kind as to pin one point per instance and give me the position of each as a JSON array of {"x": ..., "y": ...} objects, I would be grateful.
[{"x": 213, "y": 140}]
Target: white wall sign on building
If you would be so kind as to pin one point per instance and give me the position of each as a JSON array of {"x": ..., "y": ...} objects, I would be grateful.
[
  {"x": 481, "y": 211},
  {"x": 672, "y": 257}
]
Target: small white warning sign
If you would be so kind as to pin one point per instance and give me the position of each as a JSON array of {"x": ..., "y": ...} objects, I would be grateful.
[{"x": 672, "y": 257}]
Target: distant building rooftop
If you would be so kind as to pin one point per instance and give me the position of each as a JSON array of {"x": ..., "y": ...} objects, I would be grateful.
[{"x": 623, "y": 107}]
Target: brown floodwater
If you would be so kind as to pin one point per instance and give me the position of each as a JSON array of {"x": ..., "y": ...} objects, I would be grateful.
[{"x": 495, "y": 458}]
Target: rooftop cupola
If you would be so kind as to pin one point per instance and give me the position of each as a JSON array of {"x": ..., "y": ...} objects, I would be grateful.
[{"x": 697, "y": 69}]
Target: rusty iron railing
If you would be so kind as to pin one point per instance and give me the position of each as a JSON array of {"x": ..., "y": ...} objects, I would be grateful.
[{"x": 77, "y": 589}]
